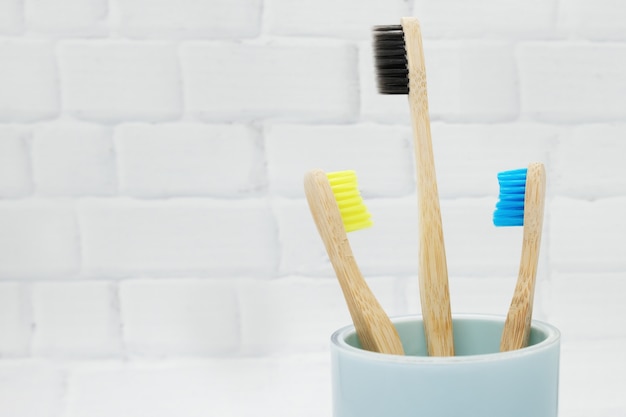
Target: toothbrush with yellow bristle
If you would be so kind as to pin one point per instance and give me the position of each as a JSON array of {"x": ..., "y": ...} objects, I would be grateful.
[
  {"x": 521, "y": 203},
  {"x": 337, "y": 208}
]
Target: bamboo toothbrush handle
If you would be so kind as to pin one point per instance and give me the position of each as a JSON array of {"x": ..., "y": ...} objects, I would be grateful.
[
  {"x": 517, "y": 325},
  {"x": 375, "y": 330},
  {"x": 433, "y": 272}
]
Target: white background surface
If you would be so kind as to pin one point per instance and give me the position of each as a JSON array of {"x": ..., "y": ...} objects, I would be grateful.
[{"x": 157, "y": 257}]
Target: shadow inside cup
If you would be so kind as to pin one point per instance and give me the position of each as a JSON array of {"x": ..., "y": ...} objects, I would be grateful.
[{"x": 473, "y": 335}]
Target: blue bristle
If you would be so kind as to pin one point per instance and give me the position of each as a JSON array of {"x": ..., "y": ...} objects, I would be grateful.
[{"x": 510, "y": 207}]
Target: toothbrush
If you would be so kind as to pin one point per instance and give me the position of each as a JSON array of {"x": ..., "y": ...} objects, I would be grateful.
[
  {"x": 400, "y": 69},
  {"x": 337, "y": 208},
  {"x": 522, "y": 196}
]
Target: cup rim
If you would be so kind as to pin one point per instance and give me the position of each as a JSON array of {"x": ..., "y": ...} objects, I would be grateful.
[{"x": 338, "y": 340}]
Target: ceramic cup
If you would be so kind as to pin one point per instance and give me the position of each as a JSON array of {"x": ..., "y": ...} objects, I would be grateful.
[{"x": 479, "y": 381}]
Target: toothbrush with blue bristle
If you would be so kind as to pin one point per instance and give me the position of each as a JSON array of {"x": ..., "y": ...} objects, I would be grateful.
[{"x": 521, "y": 203}]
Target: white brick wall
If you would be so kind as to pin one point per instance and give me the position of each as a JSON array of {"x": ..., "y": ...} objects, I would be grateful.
[
  {"x": 177, "y": 163},
  {"x": 587, "y": 235},
  {"x": 28, "y": 80},
  {"x": 575, "y": 82},
  {"x": 38, "y": 239},
  {"x": 220, "y": 85},
  {"x": 72, "y": 159},
  {"x": 158, "y": 257},
  {"x": 67, "y": 17},
  {"x": 173, "y": 317},
  {"x": 15, "y": 166},
  {"x": 15, "y": 319},
  {"x": 11, "y": 17},
  {"x": 122, "y": 237},
  {"x": 589, "y": 164},
  {"x": 60, "y": 331},
  {"x": 382, "y": 171},
  {"x": 327, "y": 18},
  {"x": 119, "y": 80},
  {"x": 189, "y": 18},
  {"x": 274, "y": 315},
  {"x": 596, "y": 20},
  {"x": 487, "y": 18}
]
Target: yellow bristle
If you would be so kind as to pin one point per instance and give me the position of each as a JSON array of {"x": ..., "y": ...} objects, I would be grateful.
[{"x": 353, "y": 211}]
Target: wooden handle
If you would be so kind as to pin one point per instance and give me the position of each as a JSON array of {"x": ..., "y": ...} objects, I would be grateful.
[
  {"x": 374, "y": 329},
  {"x": 517, "y": 325},
  {"x": 433, "y": 271}
]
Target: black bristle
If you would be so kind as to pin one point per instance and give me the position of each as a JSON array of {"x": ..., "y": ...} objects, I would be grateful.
[
  {"x": 387, "y": 28},
  {"x": 390, "y": 60}
]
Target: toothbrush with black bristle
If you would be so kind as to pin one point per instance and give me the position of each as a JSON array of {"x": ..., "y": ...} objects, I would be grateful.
[
  {"x": 521, "y": 203},
  {"x": 400, "y": 69}
]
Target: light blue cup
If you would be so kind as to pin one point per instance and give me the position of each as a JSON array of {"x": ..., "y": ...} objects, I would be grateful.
[{"x": 479, "y": 381}]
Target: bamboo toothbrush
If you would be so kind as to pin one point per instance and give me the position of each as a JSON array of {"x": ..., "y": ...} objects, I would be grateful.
[
  {"x": 337, "y": 208},
  {"x": 522, "y": 196},
  {"x": 401, "y": 70}
]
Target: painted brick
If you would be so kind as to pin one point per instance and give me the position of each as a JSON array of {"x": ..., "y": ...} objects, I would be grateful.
[
  {"x": 299, "y": 314},
  {"x": 467, "y": 81},
  {"x": 469, "y": 157},
  {"x": 588, "y": 306},
  {"x": 280, "y": 387},
  {"x": 190, "y": 19},
  {"x": 11, "y": 17},
  {"x": 189, "y": 159},
  {"x": 15, "y": 320},
  {"x": 77, "y": 319},
  {"x": 472, "y": 81},
  {"x": 15, "y": 168},
  {"x": 572, "y": 82},
  {"x": 587, "y": 236},
  {"x": 38, "y": 239},
  {"x": 388, "y": 248},
  {"x": 67, "y": 17},
  {"x": 479, "y": 295},
  {"x": 381, "y": 156},
  {"x": 588, "y": 162},
  {"x": 470, "y": 295},
  {"x": 112, "y": 81},
  {"x": 74, "y": 159},
  {"x": 292, "y": 81},
  {"x": 301, "y": 248},
  {"x": 596, "y": 20},
  {"x": 475, "y": 247},
  {"x": 347, "y": 19},
  {"x": 600, "y": 361},
  {"x": 31, "y": 388},
  {"x": 486, "y": 18},
  {"x": 494, "y": 295},
  {"x": 28, "y": 81},
  {"x": 179, "y": 237},
  {"x": 179, "y": 317}
]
